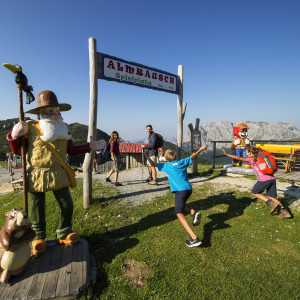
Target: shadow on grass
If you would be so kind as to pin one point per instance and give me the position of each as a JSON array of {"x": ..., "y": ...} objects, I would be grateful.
[
  {"x": 235, "y": 209},
  {"x": 109, "y": 245}
]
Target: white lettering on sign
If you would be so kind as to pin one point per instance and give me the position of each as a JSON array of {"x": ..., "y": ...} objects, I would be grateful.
[{"x": 132, "y": 73}]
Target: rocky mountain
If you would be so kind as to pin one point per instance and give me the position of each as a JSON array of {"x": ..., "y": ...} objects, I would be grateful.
[
  {"x": 211, "y": 131},
  {"x": 222, "y": 131}
]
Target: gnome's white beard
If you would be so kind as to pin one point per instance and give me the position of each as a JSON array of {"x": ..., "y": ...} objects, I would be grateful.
[{"x": 53, "y": 129}]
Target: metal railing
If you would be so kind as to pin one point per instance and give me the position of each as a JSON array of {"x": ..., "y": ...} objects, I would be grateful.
[{"x": 252, "y": 142}]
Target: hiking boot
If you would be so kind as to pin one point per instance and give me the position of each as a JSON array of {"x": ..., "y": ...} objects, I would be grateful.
[
  {"x": 71, "y": 239},
  {"x": 153, "y": 182},
  {"x": 107, "y": 180},
  {"x": 284, "y": 214},
  {"x": 193, "y": 243},
  {"x": 38, "y": 247},
  {"x": 118, "y": 184},
  {"x": 196, "y": 218},
  {"x": 273, "y": 205},
  {"x": 150, "y": 178}
]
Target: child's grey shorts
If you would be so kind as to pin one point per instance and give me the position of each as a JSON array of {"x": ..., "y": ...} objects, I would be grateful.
[{"x": 269, "y": 186}]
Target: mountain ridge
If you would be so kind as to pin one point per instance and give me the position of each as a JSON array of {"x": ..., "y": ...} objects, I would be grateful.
[
  {"x": 210, "y": 131},
  {"x": 223, "y": 131}
]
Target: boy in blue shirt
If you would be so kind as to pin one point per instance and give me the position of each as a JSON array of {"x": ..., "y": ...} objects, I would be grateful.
[{"x": 180, "y": 186}]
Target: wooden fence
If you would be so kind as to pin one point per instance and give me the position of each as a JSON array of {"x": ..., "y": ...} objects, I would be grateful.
[{"x": 13, "y": 162}]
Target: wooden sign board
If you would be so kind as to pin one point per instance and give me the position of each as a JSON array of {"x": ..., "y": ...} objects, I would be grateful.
[
  {"x": 196, "y": 140},
  {"x": 120, "y": 70}
]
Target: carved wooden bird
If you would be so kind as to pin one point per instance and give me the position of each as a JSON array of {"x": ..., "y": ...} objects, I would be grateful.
[{"x": 21, "y": 79}]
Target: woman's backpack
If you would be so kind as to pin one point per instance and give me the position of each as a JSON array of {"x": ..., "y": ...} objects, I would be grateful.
[
  {"x": 267, "y": 162},
  {"x": 105, "y": 154}
]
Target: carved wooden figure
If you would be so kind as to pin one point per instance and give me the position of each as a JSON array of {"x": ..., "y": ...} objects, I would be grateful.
[
  {"x": 15, "y": 236},
  {"x": 240, "y": 143}
]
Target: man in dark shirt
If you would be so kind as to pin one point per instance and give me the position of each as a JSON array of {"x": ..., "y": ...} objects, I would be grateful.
[{"x": 153, "y": 154}]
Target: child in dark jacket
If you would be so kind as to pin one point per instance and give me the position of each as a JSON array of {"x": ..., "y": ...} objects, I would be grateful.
[
  {"x": 180, "y": 186},
  {"x": 265, "y": 183}
]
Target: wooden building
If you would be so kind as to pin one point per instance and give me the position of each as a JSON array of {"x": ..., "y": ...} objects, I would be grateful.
[{"x": 133, "y": 154}]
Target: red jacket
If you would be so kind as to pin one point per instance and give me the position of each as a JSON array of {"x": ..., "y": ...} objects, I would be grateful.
[{"x": 72, "y": 150}]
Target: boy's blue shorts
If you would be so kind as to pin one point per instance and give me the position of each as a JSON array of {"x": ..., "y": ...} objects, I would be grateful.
[
  {"x": 269, "y": 186},
  {"x": 180, "y": 199}
]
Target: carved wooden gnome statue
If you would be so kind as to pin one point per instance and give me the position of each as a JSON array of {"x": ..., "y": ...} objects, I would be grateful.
[{"x": 15, "y": 236}]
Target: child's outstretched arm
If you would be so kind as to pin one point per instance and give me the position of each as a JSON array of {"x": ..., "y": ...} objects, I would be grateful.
[
  {"x": 234, "y": 156},
  {"x": 151, "y": 162},
  {"x": 203, "y": 148}
]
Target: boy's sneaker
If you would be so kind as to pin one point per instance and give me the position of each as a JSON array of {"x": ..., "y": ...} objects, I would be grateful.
[
  {"x": 193, "y": 243},
  {"x": 107, "y": 180},
  {"x": 196, "y": 218},
  {"x": 118, "y": 184}
]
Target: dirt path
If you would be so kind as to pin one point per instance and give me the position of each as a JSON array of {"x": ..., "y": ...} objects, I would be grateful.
[{"x": 137, "y": 191}]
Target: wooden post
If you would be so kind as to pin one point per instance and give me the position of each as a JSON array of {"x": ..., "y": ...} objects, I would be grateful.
[
  {"x": 196, "y": 128},
  {"x": 88, "y": 160},
  {"x": 10, "y": 164},
  {"x": 195, "y": 161},
  {"x": 214, "y": 154},
  {"x": 179, "y": 112}
]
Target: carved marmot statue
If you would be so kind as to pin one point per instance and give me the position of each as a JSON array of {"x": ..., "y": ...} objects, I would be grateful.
[{"x": 15, "y": 236}]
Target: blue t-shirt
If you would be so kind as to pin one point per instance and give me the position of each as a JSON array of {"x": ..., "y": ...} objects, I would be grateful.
[{"x": 177, "y": 174}]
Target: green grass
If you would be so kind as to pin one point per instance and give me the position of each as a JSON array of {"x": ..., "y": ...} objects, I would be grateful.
[{"x": 246, "y": 253}]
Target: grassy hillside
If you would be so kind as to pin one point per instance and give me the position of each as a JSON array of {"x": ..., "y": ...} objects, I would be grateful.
[
  {"x": 140, "y": 251},
  {"x": 5, "y": 127}
]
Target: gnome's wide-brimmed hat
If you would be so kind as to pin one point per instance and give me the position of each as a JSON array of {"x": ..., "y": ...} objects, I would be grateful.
[{"x": 48, "y": 99}]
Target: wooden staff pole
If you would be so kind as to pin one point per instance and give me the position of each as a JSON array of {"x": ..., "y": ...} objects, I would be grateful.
[{"x": 23, "y": 150}]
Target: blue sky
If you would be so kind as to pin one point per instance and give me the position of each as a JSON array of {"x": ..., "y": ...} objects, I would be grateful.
[{"x": 240, "y": 58}]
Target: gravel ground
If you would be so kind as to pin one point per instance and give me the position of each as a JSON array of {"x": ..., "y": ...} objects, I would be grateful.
[
  {"x": 136, "y": 191},
  {"x": 6, "y": 178}
]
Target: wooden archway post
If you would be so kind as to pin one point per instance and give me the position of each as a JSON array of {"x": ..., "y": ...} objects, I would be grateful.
[
  {"x": 180, "y": 112},
  {"x": 92, "y": 132}
]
